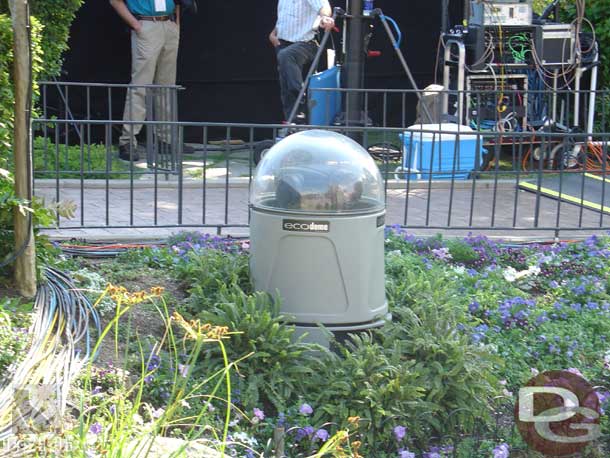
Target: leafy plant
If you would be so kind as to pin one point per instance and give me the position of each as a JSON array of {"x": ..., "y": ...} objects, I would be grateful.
[
  {"x": 14, "y": 337},
  {"x": 210, "y": 274},
  {"x": 7, "y": 101},
  {"x": 276, "y": 363},
  {"x": 56, "y": 17},
  {"x": 428, "y": 316},
  {"x": 72, "y": 161},
  {"x": 40, "y": 215}
]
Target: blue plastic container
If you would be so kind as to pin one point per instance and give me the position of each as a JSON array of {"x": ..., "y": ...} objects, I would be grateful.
[
  {"x": 324, "y": 105},
  {"x": 446, "y": 151}
]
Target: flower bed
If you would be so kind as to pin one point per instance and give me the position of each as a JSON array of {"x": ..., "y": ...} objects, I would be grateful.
[{"x": 473, "y": 321}]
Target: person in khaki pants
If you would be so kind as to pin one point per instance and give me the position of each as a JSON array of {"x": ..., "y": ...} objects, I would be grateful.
[{"x": 155, "y": 35}]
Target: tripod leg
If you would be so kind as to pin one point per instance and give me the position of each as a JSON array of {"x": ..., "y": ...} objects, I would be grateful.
[
  {"x": 312, "y": 69},
  {"x": 402, "y": 60}
]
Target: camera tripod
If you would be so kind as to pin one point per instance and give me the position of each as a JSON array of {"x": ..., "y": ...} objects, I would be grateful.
[{"x": 355, "y": 40}]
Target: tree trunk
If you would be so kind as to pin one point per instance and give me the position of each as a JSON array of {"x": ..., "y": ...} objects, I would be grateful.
[{"x": 25, "y": 264}]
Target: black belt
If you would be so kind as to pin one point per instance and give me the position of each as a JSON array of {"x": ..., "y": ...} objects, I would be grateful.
[
  {"x": 288, "y": 43},
  {"x": 155, "y": 18}
]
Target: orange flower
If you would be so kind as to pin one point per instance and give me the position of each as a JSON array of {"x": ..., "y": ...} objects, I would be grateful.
[{"x": 353, "y": 420}]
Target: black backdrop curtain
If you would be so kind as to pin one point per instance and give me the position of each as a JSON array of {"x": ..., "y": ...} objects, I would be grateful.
[{"x": 226, "y": 63}]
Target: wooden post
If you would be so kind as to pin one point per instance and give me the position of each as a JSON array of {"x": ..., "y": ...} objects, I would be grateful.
[
  {"x": 278, "y": 440},
  {"x": 25, "y": 264}
]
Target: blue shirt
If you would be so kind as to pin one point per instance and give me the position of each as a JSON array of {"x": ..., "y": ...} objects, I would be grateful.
[{"x": 147, "y": 7}]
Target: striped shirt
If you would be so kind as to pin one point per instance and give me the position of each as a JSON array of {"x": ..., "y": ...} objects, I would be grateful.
[{"x": 296, "y": 19}]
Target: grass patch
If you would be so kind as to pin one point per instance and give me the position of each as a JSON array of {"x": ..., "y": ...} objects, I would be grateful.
[{"x": 70, "y": 161}]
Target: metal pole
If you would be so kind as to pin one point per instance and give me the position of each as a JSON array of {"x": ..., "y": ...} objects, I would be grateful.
[
  {"x": 354, "y": 63},
  {"x": 592, "y": 94},
  {"x": 25, "y": 264}
]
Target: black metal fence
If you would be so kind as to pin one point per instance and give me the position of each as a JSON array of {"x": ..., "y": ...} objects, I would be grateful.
[{"x": 519, "y": 163}]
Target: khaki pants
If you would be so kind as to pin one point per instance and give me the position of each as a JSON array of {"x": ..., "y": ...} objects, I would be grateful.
[{"x": 154, "y": 55}]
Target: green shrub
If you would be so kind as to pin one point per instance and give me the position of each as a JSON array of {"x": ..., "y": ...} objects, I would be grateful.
[
  {"x": 56, "y": 17},
  {"x": 428, "y": 316},
  {"x": 368, "y": 380},
  {"x": 271, "y": 374},
  {"x": 596, "y": 11},
  {"x": 208, "y": 273},
  {"x": 7, "y": 100},
  {"x": 90, "y": 162},
  {"x": 41, "y": 215},
  {"x": 13, "y": 335},
  {"x": 51, "y": 23}
]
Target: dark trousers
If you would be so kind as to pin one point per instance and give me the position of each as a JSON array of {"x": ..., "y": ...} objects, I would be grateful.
[{"x": 292, "y": 58}]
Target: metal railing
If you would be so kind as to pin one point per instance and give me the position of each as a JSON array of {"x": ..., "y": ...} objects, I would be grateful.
[
  {"x": 74, "y": 101},
  {"x": 540, "y": 179}
]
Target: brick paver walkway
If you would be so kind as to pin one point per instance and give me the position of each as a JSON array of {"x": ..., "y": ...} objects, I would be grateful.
[{"x": 99, "y": 206}]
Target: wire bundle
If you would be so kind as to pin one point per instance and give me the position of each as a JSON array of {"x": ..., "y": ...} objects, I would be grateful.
[
  {"x": 568, "y": 73},
  {"x": 597, "y": 159},
  {"x": 60, "y": 347},
  {"x": 107, "y": 250}
]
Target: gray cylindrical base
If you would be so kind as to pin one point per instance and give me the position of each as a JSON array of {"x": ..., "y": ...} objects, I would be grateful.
[
  {"x": 331, "y": 274},
  {"x": 323, "y": 336}
]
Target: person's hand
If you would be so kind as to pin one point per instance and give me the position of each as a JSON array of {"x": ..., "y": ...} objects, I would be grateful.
[
  {"x": 327, "y": 23},
  {"x": 137, "y": 26},
  {"x": 274, "y": 39}
]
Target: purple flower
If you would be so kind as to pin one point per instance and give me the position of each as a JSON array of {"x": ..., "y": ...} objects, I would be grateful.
[
  {"x": 542, "y": 318},
  {"x": 592, "y": 305},
  {"x": 148, "y": 379},
  {"x": 183, "y": 370},
  {"x": 281, "y": 420},
  {"x": 95, "y": 428},
  {"x": 603, "y": 396},
  {"x": 442, "y": 254},
  {"x": 473, "y": 307},
  {"x": 96, "y": 390},
  {"x": 433, "y": 453},
  {"x": 258, "y": 413},
  {"x": 321, "y": 434},
  {"x": 302, "y": 433},
  {"x": 501, "y": 451},
  {"x": 305, "y": 409},
  {"x": 405, "y": 453},
  {"x": 400, "y": 432},
  {"x": 154, "y": 362},
  {"x": 576, "y": 307}
]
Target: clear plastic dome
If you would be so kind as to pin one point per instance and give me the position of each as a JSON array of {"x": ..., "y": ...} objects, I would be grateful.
[{"x": 317, "y": 171}]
